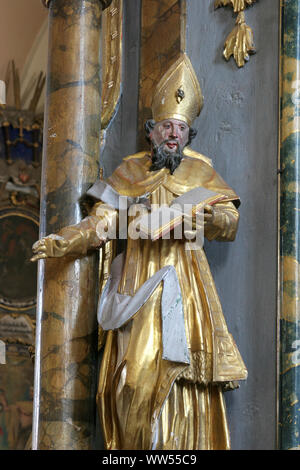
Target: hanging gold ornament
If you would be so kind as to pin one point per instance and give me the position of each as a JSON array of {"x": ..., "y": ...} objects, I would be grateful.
[
  {"x": 239, "y": 43},
  {"x": 237, "y": 5}
]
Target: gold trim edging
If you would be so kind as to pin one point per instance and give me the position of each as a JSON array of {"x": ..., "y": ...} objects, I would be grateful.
[{"x": 111, "y": 60}]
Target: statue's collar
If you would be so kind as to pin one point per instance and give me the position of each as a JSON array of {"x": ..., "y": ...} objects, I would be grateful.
[{"x": 133, "y": 177}]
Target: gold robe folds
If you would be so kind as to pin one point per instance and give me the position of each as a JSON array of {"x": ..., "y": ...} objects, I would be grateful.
[{"x": 146, "y": 402}]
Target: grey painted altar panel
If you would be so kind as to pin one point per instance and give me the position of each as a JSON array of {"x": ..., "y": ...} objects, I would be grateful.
[{"x": 238, "y": 129}]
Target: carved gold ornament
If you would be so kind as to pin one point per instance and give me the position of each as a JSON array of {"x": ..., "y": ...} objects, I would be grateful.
[
  {"x": 237, "y": 5},
  {"x": 239, "y": 43}
]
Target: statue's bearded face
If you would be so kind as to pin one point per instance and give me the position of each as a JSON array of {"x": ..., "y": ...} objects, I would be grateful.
[
  {"x": 168, "y": 139},
  {"x": 172, "y": 133}
]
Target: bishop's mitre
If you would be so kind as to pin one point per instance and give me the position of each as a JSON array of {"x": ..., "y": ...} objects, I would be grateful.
[{"x": 178, "y": 94}]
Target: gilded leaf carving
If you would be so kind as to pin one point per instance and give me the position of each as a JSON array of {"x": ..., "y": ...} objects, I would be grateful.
[
  {"x": 239, "y": 42},
  {"x": 237, "y": 5}
]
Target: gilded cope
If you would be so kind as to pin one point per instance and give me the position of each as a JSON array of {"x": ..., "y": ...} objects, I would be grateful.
[{"x": 168, "y": 354}]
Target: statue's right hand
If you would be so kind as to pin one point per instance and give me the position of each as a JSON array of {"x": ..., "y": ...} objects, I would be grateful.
[{"x": 52, "y": 246}]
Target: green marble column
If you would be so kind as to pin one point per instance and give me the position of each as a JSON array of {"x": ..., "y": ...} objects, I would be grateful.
[
  {"x": 66, "y": 348},
  {"x": 289, "y": 364}
]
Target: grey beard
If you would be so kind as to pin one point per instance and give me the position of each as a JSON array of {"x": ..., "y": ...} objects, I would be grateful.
[{"x": 163, "y": 159}]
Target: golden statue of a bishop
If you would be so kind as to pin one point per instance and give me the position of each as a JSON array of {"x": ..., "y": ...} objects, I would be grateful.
[{"x": 168, "y": 354}]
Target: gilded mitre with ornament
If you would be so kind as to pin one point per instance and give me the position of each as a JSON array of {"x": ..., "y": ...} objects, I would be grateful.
[{"x": 178, "y": 94}]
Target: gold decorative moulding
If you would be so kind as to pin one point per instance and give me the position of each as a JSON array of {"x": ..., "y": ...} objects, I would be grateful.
[{"x": 111, "y": 60}]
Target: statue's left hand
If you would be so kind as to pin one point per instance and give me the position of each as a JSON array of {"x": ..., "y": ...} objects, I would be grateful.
[
  {"x": 209, "y": 214},
  {"x": 221, "y": 221}
]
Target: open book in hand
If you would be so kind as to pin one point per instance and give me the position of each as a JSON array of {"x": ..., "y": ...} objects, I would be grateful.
[{"x": 161, "y": 221}]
